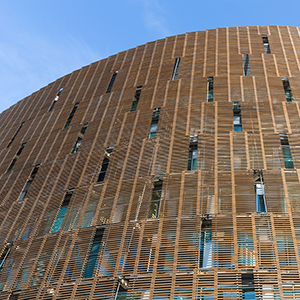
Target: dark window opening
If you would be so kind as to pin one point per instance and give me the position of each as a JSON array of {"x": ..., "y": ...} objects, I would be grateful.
[
  {"x": 5, "y": 254},
  {"x": 155, "y": 198},
  {"x": 259, "y": 189},
  {"x": 55, "y": 99},
  {"x": 237, "y": 116},
  {"x": 136, "y": 98},
  {"x": 111, "y": 83},
  {"x": 28, "y": 183},
  {"x": 286, "y": 151},
  {"x": 210, "y": 89},
  {"x": 105, "y": 163},
  {"x": 246, "y": 65},
  {"x": 248, "y": 290},
  {"x": 80, "y": 137},
  {"x": 93, "y": 254},
  {"x": 16, "y": 157},
  {"x": 71, "y": 115},
  {"x": 15, "y": 135},
  {"x": 154, "y": 122},
  {"x": 266, "y": 45},
  {"x": 14, "y": 295},
  {"x": 121, "y": 292},
  {"x": 62, "y": 212},
  {"x": 287, "y": 90},
  {"x": 205, "y": 260},
  {"x": 176, "y": 69},
  {"x": 193, "y": 153}
]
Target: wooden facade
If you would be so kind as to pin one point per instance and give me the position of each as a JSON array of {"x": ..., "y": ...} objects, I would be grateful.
[{"x": 227, "y": 227}]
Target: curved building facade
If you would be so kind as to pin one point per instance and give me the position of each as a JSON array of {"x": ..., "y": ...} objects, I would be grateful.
[{"x": 167, "y": 171}]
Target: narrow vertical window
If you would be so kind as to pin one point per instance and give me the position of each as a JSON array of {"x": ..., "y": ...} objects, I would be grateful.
[
  {"x": 176, "y": 69},
  {"x": 286, "y": 151},
  {"x": 15, "y": 135},
  {"x": 155, "y": 199},
  {"x": 4, "y": 254},
  {"x": 193, "y": 153},
  {"x": 92, "y": 258},
  {"x": 16, "y": 157},
  {"x": 248, "y": 285},
  {"x": 246, "y": 65},
  {"x": 210, "y": 89},
  {"x": 237, "y": 116},
  {"x": 105, "y": 163},
  {"x": 28, "y": 183},
  {"x": 80, "y": 137},
  {"x": 121, "y": 292},
  {"x": 62, "y": 212},
  {"x": 287, "y": 90},
  {"x": 206, "y": 244},
  {"x": 266, "y": 45},
  {"x": 154, "y": 122},
  {"x": 55, "y": 99},
  {"x": 71, "y": 115},
  {"x": 136, "y": 98},
  {"x": 111, "y": 83},
  {"x": 259, "y": 189}
]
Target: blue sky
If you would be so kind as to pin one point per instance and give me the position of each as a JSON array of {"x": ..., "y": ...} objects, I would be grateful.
[{"x": 42, "y": 40}]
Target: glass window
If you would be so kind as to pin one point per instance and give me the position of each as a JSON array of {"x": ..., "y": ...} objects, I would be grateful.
[
  {"x": 246, "y": 65},
  {"x": 28, "y": 184},
  {"x": 154, "y": 123},
  {"x": 16, "y": 157},
  {"x": 259, "y": 188},
  {"x": 286, "y": 151},
  {"x": 71, "y": 115},
  {"x": 80, "y": 137},
  {"x": 105, "y": 163},
  {"x": 55, "y": 99},
  {"x": 155, "y": 199},
  {"x": 287, "y": 90},
  {"x": 136, "y": 98},
  {"x": 15, "y": 135},
  {"x": 210, "y": 91},
  {"x": 111, "y": 83},
  {"x": 176, "y": 69},
  {"x": 193, "y": 153},
  {"x": 266, "y": 45},
  {"x": 206, "y": 244},
  {"x": 237, "y": 117}
]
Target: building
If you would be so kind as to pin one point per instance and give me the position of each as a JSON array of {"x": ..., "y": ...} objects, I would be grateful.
[{"x": 168, "y": 171}]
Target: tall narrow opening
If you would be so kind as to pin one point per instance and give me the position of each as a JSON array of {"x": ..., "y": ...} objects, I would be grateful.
[
  {"x": 210, "y": 89},
  {"x": 12, "y": 139},
  {"x": 193, "y": 153},
  {"x": 105, "y": 163},
  {"x": 286, "y": 151},
  {"x": 136, "y": 98},
  {"x": 55, "y": 99},
  {"x": 266, "y": 45},
  {"x": 206, "y": 243},
  {"x": 176, "y": 69},
  {"x": 71, "y": 115},
  {"x": 16, "y": 157},
  {"x": 28, "y": 183},
  {"x": 237, "y": 116},
  {"x": 111, "y": 83},
  {"x": 155, "y": 198},
  {"x": 80, "y": 137},
  {"x": 259, "y": 189},
  {"x": 246, "y": 65},
  {"x": 154, "y": 122},
  {"x": 287, "y": 90}
]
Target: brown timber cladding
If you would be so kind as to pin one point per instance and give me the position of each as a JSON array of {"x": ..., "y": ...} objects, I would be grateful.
[{"x": 217, "y": 232}]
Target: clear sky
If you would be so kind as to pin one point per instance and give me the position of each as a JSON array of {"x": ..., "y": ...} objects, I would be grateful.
[{"x": 43, "y": 40}]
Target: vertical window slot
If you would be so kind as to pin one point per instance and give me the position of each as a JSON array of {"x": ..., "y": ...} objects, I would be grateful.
[
  {"x": 193, "y": 153},
  {"x": 210, "y": 89},
  {"x": 105, "y": 163},
  {"x": 266, "y": 45},
  {"x": 71, "y": 115},
  {"x": 206, "y": 244},
  {"x": 15, "y": 135},
  {"x": 154, "y": 123},
  {"x": 4, "y": 254},
  {"x": 111, "y": 83},
  {"x": 136, "y": 98},
  {"x": 55, "y": 99},
  {"x": 286, "y": 151},
  {"x": 62, "y": 212},
  {"x": 28, "y": 183},
  {"x": 93, "y": 254},
  {"x": 155, "y": 198},
  {"x": 176, "y": 69},
  {"x": 80, "y": 137},
  {"x": 259, "y": 189},
  {"x": 248, "y": 290},
  {"x": 287, "y": 90},
  {"x": 16, "y": 157},
  {"x": 246, "y": 65},
  {"x": 237, "y": 116}
]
